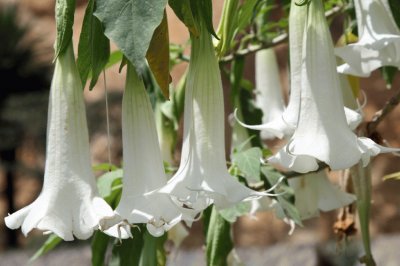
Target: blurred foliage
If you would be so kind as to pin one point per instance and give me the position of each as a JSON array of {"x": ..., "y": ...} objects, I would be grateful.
[{"x": 20, "y": 68}]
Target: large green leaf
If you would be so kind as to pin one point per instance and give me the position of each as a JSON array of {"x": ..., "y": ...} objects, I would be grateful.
[
  {"x": 65, "y": 10},
  {"x": 130, "y": 24},
  {"x": 218, "y": 240},
  {"x": 94, "y": 47}
]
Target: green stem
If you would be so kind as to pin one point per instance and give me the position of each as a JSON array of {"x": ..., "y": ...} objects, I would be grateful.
[{"x": 361, "y": 178}]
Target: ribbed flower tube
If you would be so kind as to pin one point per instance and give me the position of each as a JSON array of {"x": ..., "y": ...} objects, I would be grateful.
[
  {"x": 202, "y": 177},
  {"x": 143, "y": 166},
  {"x": 69, "y": 204}
]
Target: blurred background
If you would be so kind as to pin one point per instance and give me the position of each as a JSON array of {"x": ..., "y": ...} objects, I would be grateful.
[{"x": 27, "y": 33}]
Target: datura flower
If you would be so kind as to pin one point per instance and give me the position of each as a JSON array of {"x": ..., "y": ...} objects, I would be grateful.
[
  {"x": 322, "y": 133},
  {"x": 269, "y": 97},
  {"x": 69, "y": 203},
  {"x": 202, "y": 177},
  {"x": 314, "y": 193},
  {"x": 143, "y": 166},
  {"x": 281, "y": 123},
  {"x": 379, "y": 40}
]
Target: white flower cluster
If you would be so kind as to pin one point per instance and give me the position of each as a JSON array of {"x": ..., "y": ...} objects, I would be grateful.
[{"x": 316, "y": 123}]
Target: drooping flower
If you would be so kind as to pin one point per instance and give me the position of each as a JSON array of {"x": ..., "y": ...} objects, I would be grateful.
[
  {"x": 69, "y": 203},
  {"x": 269, "y": 96},
  {"x": 143, "y": 166},
  {"x": 202, "y": 177},
  {"x": 280, "y": 122},
  {"x": 277, "y": 120},
  {"x": 322, "y": 133},
  {"x": 379, "y": 40},
  {"x": 314, "y": 193}
]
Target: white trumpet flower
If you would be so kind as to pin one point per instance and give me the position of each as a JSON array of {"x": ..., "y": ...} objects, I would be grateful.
[
  {"x": 322, "y": 133},
  {"x": 69, "y": 203},
  {"x": 269, "y": 97},
  {"x": 276, "y": 121},
  {"x": 202, "y": 177},
  {"x": 314, "y": 193},
  {"x": 143, "y": 167},
  {"x": 379, "y": 40}
]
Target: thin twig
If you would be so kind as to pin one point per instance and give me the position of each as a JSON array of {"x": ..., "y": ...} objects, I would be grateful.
[{"x": 381, "y": 114}]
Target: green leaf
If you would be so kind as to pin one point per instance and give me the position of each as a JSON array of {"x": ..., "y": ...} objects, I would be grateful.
[
  {"x": 286, "y": 199},
  {"x": 183, "y": 11},
  {"x": 202, "y": 10},
  {"x": 115, "y": 57},
  {"x": 246, "y": 13},
  {"x": 94, "y": 47},
  {"x": 127, "y": 253},
  {"x": 228, "y": 25},
  {"x": 231, "y": 214},
  {"x": 218, "y": 239},
  {"x": 153, "y": 253},
  {"x": 104, "y": 167},
  {"x": 99, "y": 248},
  {"x": 49, "y": 245},
  {"x": 65, "y": 10},
  {"x": 248, "y": 162},
  {"x": 104, "y": 182},
  {"x": 158, "y": 56},
  {"x": 130, "y": 24}
]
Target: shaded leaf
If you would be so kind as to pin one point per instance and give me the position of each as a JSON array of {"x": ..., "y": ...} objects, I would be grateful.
[
  {"x": 130, "y": 24},
  {"x": 94, "y": 47},
  {"x": 158, "y": 56},
  {"x": 202, "y": 10},
  {"x": 65, "y": 10},
  {"x": 49, "y": 245},
  {"x": 183, "y": 11}
]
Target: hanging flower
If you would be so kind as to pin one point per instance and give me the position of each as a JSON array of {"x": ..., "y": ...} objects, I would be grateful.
[
  {"x": 69, "y": 203},
  {"x": 314, "y": 193},
  {"x": 278, "y": 121},
  {"x": 143, "y": 167},
  {"x": 379, "y": 40},
  {"x": 269, "y": 97},
  {"x": 322, "y": 133},
  {"x": 202, "y": 178}
]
